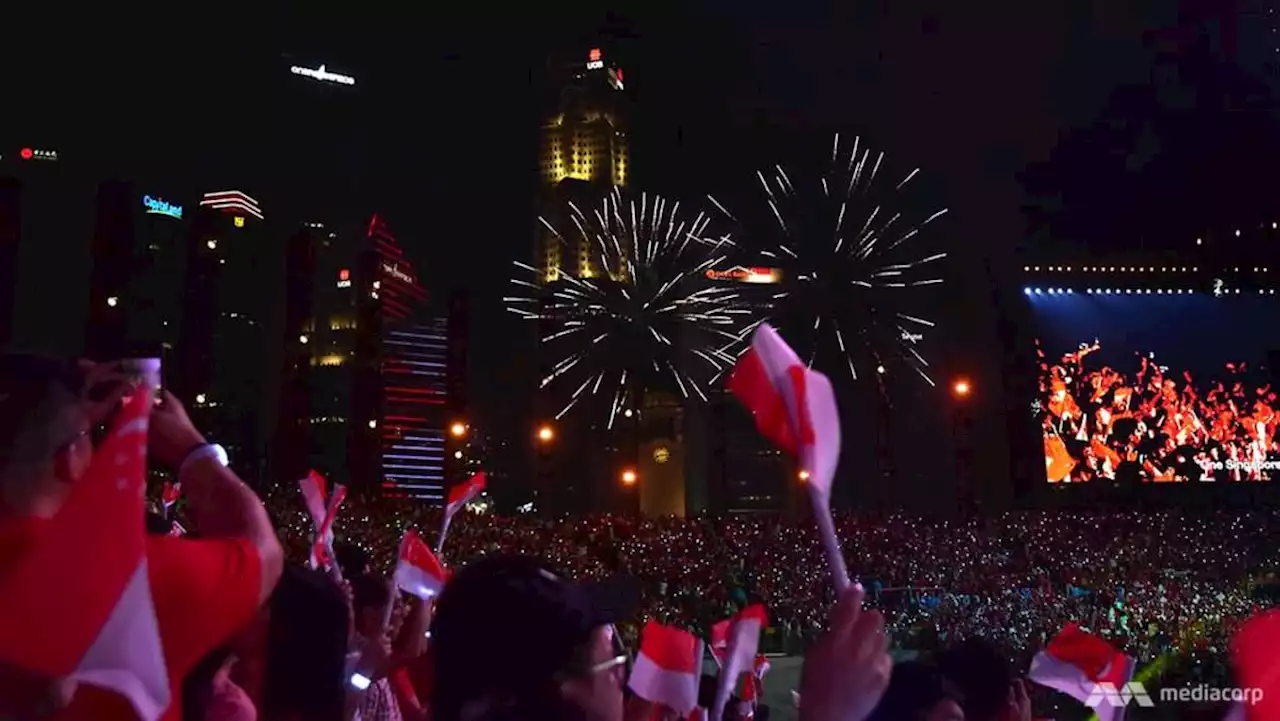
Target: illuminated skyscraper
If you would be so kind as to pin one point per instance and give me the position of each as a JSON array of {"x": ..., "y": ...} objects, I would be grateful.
[
  {"x": 584, "y": 153},
  {"x": 226, "y": 361}
]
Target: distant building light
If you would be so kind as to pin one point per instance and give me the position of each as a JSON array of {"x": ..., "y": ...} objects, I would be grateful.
[
  {"x": 232, "y": 202},
  {"x": 742, "y": 274},
  {"x": 595, "y": 65},
  {"x": 157, "y": 206},
  {"x": 322, "y": 75},
  {"x": 211, "y": 244},
  {"x": 37, "y": 154},
  {"x": 113, "y": 301},
  {"x": 239, "y": 221}
]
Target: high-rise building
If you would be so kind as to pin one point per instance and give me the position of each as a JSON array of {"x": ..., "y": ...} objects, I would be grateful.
[
  {"x": 584, "y": 142},
  {"x": 227, "y": 357},
  {"x": 371, "y": 381},
  {"x": 46, "y": 222},
  {"x": 136, "y": 288},
  {"x": 412, "y": 358}
]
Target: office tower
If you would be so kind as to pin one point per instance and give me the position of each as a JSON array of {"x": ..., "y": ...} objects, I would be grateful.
[
  {"x": 414, "y": 409},
  {"x": 584, "y": 153},
  {"x": 136, "y": 294},
  {"x": 411, "y": 360},
  {"x": 47, "y": 213},
  {"x": 230, "y": 328},
  {"x": 290, "y": 457}
]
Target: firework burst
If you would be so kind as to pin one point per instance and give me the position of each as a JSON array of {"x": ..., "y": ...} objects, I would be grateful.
[
  {"x": 642, "y": 314},
  {"x": 850, "y": 262}
]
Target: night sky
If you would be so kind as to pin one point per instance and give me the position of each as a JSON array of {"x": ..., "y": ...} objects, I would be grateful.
[{"x": 450, "y": 106}]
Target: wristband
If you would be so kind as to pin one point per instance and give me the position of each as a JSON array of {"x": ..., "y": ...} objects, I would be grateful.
[{"x": 201, "y": 452}]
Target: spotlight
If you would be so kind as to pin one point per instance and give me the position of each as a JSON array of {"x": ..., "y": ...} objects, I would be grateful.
[{"x": 1026, "y": 291}]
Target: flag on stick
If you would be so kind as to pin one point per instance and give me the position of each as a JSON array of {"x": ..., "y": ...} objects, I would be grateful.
[
  {"x": 668, "y": 668},
  {"x": 419, "y": 571},
  {"x": 795, "y": 408},
  {"x": 743, "y": 643},
  {"x": 459, "y": 496},
  {"x": 1083, "y": 666}
]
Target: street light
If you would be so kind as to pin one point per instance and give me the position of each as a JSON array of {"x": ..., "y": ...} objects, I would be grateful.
[
  {"x": 628, "y": 477},
  {"x": 458, "y": 429},
  {"x": 546, "y": 434}
]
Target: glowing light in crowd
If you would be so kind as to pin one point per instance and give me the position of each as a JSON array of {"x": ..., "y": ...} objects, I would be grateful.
[
  {"x": 160, "y": 207},
  {"x": 629, "y": 477},
  {"x": 595, "y": 60},
  {"x": 803, "y": 475},
  {"x": 458, "y": 429},
  {"x": 649, "y": 319},
  {"x": 546, "y": 434},
  {"x": 322, "y": 74},
  {"x": 233, "y": 202},
  {"x": 113, "y": 301},
  {"x": 847, "y": 245},
  {"x": 961, "y": 388}
]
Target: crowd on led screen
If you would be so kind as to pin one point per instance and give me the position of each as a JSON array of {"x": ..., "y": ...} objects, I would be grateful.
[{"x": 1156, "y": 390}]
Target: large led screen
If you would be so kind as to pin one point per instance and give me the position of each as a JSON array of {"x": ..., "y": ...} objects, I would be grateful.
[{"x": 1146, "y": 388}]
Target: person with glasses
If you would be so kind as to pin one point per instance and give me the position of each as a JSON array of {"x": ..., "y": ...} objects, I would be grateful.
[
  {"x": 512, "y": 640},
  {"x": 203, "y": 591}
]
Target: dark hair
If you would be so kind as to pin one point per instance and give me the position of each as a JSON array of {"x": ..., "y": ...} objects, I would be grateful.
[
  {"x": 915, "y": 688},
  {"x": 39, "y": 407},
  {"x": 352, "y": 560},
  {"x": 157, "y": 525},
  {"x": 981, "y": 673},
  {"x": 306, "y": 648},
  {"x": 369, "y": 591}
]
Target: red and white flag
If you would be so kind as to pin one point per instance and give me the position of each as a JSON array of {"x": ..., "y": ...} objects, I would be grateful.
[
  {"x": 108, "y": 636},
  {"x": 742, "y": 645},
  {"x": 668, "y": 668},
  {"x": 418, "y": 570},
  {"x": 1087, "y": 669},
  {"x": 169, "y": 495},
  {"x": 315, "y": 500},
  {"x": 459, "y": 496},
  {"x": 795, "y": 408},
  {"x": 1257, "y": 666}
]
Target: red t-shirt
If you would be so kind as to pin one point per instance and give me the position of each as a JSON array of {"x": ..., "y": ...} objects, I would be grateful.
[{"x": 204, "y": 591}]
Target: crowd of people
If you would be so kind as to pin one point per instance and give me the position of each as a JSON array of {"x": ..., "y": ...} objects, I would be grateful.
[
  {"x": 1149, "y": 580},
  {"x": 1154, "y": 426},
  {"x": 521, "y": 629}
]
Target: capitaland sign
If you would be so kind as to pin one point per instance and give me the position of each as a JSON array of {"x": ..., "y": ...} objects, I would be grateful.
[
  {"x": 323, "y": 75},
  {"x": 395, "y": 272},
  {"x": 157, "y": 206}
]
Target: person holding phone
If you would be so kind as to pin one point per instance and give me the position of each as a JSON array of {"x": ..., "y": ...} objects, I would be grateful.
[{"x": 203, "y": 590}]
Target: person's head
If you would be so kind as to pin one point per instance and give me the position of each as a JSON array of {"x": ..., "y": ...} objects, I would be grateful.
[
  {"x": 298, "y": 651},
  {"x": 983, "y": 676},
  {"x": 45, "y": 443},
  {"x": 370, "y": 596},
  {"x": 918, "y": 692},
  {"x": 513, "y": 640},
  {"x": 352, "y": 560}
]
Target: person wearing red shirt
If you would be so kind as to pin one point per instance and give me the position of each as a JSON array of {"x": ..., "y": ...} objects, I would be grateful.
[{"x": 203, "y": 590}]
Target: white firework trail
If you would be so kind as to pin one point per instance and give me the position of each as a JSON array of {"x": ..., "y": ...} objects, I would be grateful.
[
  {"x": 641, "y": 313},
  {"x": 842, "y": 233}
]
